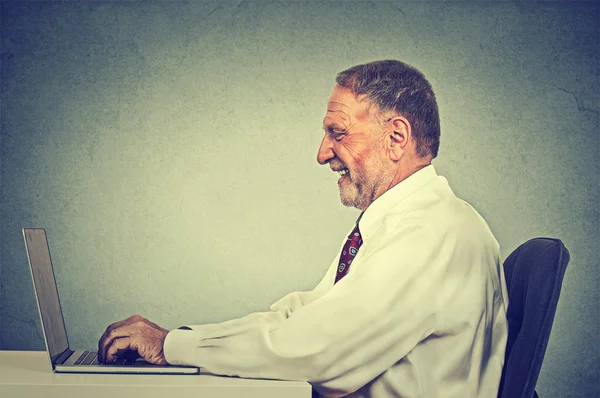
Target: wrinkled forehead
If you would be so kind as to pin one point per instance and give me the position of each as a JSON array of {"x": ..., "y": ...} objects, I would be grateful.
[{"x": 344, "y": 105}]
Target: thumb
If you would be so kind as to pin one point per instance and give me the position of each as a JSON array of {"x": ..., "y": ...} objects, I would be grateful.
[{"x": 150, "y": 349}]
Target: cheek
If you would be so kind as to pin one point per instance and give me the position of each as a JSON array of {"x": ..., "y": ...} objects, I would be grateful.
[
  {"x": 354, "y": 153},
  {"x": 359, "y": 165},
  {"x": 352, "y": 150}
]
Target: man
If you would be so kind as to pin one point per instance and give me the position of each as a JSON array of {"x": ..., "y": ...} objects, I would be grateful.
[{"x": 415, "y": 303}]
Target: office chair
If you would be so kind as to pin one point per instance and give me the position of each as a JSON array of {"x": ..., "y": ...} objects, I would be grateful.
[{"x": 534, "y": 274}]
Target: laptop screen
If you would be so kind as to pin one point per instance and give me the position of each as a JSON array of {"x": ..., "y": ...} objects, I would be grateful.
[{"x": 44, "y": 284}]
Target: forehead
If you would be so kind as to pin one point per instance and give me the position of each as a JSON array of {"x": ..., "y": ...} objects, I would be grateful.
[{"x": 344, "y": 106}]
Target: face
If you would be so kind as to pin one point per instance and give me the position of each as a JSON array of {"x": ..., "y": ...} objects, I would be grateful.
[{"x": 353, "y": 146}]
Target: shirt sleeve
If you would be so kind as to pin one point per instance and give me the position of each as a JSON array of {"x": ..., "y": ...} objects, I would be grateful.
[
  {"x": 343, "y": 338},
  {"x": 279, "y": 311}
]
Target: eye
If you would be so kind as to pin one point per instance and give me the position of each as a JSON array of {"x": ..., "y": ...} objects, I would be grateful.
[{"x": 337, "y": 134}]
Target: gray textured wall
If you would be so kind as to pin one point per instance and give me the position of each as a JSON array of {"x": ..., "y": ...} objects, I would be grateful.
[{"x": 169, "y": 149}]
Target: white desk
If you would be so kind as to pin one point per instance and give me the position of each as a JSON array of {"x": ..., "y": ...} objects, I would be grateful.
[{"x": 27, "y": 374}]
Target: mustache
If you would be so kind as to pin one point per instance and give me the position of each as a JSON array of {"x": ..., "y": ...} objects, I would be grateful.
[{"x": 337, "y": 165}]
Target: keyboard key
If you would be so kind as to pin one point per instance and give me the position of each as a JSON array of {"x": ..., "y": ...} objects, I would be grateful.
[
  {"x": 90, "y": 358},
  {"x": 81, "y": 357}
]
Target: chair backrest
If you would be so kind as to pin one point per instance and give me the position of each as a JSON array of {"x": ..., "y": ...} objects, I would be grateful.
[{"x": 534, "y": 274}]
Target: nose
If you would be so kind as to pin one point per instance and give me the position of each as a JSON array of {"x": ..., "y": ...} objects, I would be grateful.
[{"x": 325, "y": 153}]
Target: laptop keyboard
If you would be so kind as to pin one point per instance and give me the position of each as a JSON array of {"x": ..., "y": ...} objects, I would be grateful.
[
  {"x": 87, "y": 358},
  {"x": 91, "y": 358}
]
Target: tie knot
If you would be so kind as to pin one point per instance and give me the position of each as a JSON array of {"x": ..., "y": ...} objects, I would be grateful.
[{"x": 355, "y": 235}]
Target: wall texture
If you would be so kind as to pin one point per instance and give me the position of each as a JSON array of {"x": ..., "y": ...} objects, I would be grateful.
[{"x": 169, "y": 149}]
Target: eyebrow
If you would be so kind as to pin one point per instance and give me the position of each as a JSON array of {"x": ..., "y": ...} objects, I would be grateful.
[{"x": 332, "y": 126}]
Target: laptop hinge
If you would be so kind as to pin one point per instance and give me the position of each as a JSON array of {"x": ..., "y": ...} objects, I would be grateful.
[{"x": 61, "y": 358}]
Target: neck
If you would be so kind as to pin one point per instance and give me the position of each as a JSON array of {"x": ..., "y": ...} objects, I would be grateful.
[{"x": 402, "y": 173}]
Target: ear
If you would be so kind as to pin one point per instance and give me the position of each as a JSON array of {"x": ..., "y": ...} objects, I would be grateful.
[{"x": 398, "y": 137}]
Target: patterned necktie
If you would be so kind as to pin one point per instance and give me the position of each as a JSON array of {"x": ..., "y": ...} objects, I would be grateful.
[{"x": 348, "y": 253}]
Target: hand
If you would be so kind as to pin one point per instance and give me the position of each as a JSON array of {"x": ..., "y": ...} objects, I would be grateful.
[{"x": 135, "y": 335}]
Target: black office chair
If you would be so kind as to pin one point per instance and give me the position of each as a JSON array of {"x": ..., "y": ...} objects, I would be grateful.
[{"x": 534, "y": 274}]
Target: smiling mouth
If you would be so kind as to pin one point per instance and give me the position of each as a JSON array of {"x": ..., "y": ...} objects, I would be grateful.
[{"x": 342, "y": 172}]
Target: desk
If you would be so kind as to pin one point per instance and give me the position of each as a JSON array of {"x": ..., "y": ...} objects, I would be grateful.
[{"x": 27, "y": 374}]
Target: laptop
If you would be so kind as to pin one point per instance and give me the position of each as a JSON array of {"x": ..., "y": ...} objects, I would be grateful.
[{"x": 62, "y": 357}]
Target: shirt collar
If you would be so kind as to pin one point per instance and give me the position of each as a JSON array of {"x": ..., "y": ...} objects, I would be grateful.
[{"x": 372, "y": 218}]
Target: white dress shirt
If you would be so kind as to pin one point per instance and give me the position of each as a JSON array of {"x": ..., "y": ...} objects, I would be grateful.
[{"x": 421, "y": 312}]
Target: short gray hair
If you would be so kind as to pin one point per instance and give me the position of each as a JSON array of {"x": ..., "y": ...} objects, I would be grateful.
[{"x": 395, "y": 86}]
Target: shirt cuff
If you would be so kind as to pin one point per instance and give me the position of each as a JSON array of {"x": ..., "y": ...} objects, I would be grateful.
[{"x": 179, "y": 347}]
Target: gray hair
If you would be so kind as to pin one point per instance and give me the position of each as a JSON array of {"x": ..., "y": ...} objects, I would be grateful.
[{"x": 395, "y": 86}]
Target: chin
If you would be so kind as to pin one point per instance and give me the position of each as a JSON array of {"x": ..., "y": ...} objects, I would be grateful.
[
  {"x": 349, "y": 200},
  {"x": 350, "y": 195}
]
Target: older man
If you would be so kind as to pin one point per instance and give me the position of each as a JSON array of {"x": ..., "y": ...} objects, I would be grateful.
[{"x": 414, "y": 305}]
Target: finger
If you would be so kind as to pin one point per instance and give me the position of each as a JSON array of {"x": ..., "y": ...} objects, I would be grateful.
[
  {"x": 150, "y": 351},
  {"x": 148, "y": 342},
  {"x": 117, "y": 348},
  {"x": 103, "y": 339},
  {"x": 109, "y": 340}
]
